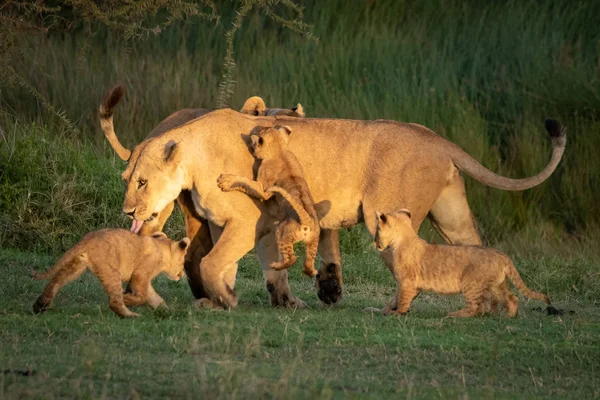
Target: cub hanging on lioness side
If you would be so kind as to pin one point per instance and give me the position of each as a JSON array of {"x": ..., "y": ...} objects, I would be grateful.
[
  {"x": 281, "y": 173},
  {"x": 116, "y": 256},
  {"x": 474, "y": 271}
]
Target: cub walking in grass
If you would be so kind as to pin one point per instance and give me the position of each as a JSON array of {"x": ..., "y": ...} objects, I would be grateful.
[
  {"x": 447, "y": 269},
  {"x": 116, "y": 256},
  {"x": 281, "y": 173}
]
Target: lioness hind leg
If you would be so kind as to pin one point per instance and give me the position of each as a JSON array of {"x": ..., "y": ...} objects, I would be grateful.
[
  {"x": 67, "y": 274},
  {"x": 451, "y": 217}
]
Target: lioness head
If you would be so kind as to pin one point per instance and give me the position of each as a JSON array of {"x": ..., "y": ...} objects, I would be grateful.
[
  {"x": 392, "y": 229},
  {"x": 269, "y": 142},
  {"x": 152, "y": 182},
  {"x": 256, "y": 106},
  {"x": 173, "y": 265}
]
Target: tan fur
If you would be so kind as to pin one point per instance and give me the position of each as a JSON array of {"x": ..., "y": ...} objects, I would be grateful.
[
  {"x": 197, "y": 228},
  {"x": 476, "y": 272},
  {"x": 281, "y": 173},
  {"x": 352, "y": 168},
  {"x": 116, "y": 256},
  {"x": 256, "y": 106}
]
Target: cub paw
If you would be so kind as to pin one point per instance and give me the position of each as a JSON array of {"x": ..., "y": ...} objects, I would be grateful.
[{"x": 225, "y": 182}]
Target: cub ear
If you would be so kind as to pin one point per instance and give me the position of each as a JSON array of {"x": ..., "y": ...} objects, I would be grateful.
[
  {"x": 299, "y": 110},
  {"x": 405, "y": 211},
  {"x": 160, "y": 235},
  {"x": 184, "y": 243},
  {"x": 172, "y": 154},
  {"x": 382, "y": 218},
  {"x": 285, "y": 129}
]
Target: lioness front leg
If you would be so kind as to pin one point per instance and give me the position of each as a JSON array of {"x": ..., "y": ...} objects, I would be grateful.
[
  {"x": 329, "y": 277},
  {"x": 216, "y": 268},
  {"x": 228, "y": 183}
]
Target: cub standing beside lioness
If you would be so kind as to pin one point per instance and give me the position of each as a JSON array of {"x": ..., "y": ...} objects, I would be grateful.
[
  {"x": 116, "y": 256},
  {"x": 447, "y": 269},
  {"x": 280, "y": 172}
]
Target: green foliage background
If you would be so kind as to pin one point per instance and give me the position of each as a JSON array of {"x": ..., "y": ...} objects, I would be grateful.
[{"x": 483, "y": 75}]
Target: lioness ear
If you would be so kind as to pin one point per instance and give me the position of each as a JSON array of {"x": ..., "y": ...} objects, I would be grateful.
[
  {"x": 285, "y": 129},
  {"x": 299, "y": 110},
  {"x": 382, "y": 218},
  {"x": 172, "y": 153},
  {"x": 405, "y": 211},
  {"x": 160, "y": 235},
  {"x": 254, "y": 139}
]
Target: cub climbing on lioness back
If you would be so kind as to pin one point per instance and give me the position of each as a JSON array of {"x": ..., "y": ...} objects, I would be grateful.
[
  {"x": 281, "y": 173},
  {"x": 474, "y": 271},
  {"x": 116, "y": 256}
]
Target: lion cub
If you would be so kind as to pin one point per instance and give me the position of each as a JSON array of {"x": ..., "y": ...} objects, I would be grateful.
[
  {"x": 281, "y": 173},
  {"x": 115, "y": 256},
  {"x": 447, "y": 269}
]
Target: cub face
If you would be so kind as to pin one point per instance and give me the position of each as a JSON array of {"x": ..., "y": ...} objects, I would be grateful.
[
  {"x": 267, "y": 142},
  {"x": 392, "y": 228},
  {"x": 174, "y": 266}
]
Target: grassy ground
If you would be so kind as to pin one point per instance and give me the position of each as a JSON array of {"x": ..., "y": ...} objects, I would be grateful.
[{"x": 80, "y": 348}]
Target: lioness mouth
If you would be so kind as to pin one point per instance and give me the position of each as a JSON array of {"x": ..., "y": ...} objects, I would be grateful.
[{"x": 136, "y": 226}]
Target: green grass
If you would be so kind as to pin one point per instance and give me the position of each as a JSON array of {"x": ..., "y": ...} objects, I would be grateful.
[
  {"x": 483, "y": 75},
  {"x": 79, "y": 348}
]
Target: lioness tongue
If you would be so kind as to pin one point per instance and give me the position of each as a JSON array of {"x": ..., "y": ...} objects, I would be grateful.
[{"x": 136, "y": 226}]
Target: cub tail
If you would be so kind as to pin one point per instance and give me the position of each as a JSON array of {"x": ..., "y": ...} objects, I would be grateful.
[
  {"x": 305, "y": 219},
  {"x": 516, "y": 279},
  {"x": 69, "y": 260}
]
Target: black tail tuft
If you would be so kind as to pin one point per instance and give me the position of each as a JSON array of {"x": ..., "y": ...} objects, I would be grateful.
[
  {"x": 555, "y": 129},
  {"x": 111, "y": 99}
]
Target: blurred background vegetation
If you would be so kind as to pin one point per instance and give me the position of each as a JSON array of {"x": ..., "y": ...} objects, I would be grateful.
[{"x": 485, "y": 75}]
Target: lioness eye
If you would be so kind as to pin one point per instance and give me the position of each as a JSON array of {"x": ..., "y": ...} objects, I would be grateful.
[{"x": 141, "y": 183}]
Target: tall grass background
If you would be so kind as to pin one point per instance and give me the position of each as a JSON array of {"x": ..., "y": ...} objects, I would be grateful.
[{"x": 484, "y": 75}]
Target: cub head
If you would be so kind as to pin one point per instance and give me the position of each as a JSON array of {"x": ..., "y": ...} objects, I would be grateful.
[
  {"x": 173, "y": 265},
  {"x": 268, "y": 142},
  {"x": 154, "y": 178},
  {"x": 256, "y": 106},
  {"x": 392, "y": 229}
]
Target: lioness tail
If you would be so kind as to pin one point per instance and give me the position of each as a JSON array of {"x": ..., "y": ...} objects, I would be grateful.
[
  {"x": 305, "y": 218},
  {"x": 472, "y": 167},
  {"x": 106, "y": 110}
]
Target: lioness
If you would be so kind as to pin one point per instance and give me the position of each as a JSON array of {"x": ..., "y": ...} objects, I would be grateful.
[
  {"x": 256, "y": 106},
  {"x": 280, "y": 172},
  {"x": 447, "y": 269},
  {"x": 352, "y": 169},
  {"x": 115, "y": 256},
  {"x": 197, "y": 228}
]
